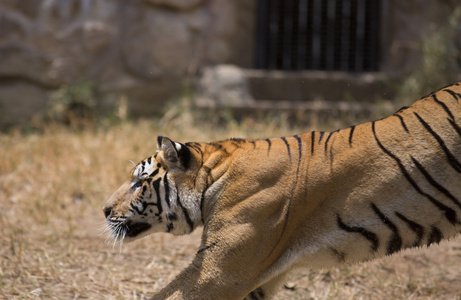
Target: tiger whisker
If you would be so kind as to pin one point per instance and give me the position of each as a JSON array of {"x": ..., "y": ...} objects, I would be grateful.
[
  {"x": 117, "y": 233},
  {"x": 121, "y": 241}
]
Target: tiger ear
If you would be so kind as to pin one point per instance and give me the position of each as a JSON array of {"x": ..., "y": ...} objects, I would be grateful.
[
  {"x": 170, "y": 152},
  {"x": 174, "y": 152}
]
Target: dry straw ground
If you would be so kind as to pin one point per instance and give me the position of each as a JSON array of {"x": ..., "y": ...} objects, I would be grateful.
[{"x": 54, "y": 183}]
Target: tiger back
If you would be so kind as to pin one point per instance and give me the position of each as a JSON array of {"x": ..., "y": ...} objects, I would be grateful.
[{"x": 317, "y": 199}]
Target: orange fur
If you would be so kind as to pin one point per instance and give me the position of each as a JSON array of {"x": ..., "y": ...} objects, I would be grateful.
[{"x": 311, "y": 200}]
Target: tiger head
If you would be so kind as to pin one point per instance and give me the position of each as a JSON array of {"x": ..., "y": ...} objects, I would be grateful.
[{"x": 160, "y": 195}]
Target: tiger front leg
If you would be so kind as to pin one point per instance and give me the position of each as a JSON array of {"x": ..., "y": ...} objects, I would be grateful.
[
  {"x": 207, "y": 279},
  {"x": 227, "y": 266}
]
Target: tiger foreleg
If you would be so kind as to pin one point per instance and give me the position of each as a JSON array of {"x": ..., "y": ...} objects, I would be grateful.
[
  {"x": 192, "y": 284},
  {"x": 198, "y": 281},
  {"x": 226, "y": 267}
]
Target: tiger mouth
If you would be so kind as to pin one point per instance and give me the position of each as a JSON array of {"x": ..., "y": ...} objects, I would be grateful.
[
  {"x": 122, "y": 228},
  {"x": 135, "y": 229}
]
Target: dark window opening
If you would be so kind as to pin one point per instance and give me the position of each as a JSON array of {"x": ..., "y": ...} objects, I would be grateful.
[{"x": 318, "y": 35}]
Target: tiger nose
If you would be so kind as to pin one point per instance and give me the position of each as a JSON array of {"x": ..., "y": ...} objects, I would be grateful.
[{"x": 107, "y": 211}]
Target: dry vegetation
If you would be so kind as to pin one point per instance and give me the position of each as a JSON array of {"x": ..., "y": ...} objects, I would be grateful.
[{"x": 53, "y": 184}]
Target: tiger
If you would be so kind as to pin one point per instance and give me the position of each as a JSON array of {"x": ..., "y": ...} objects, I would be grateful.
[{"x": 312, "y": 200}]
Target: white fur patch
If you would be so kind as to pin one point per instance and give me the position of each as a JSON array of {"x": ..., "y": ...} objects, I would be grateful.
[{"x": 143, "y": 170}]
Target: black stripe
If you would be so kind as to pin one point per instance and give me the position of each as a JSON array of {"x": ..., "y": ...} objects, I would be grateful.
[
  {"x": 145, "y": 205},
  {"x": 167, "y": 189},
  {"x": 290, "y": 200},
  {"x": 402, "y": 122},
  {"x": 154, "y": 173},
  {"x": 270, "y": 144},
  {"x": 135, "y": 208},
  {"x": 156, "y": 185},
  {"x": 312, "y": 142},
  {"x": 236, "y": 143},
  {"x": 184, "y": 211},
  {"x": 238, "y": 140},
  {"x": 435, "y": 236},
  {"x": 207, "y": 247},
  {"x": 435, "y": 184},
  {"x": 372, "y": 237},
  {"x": 142, "y": 169},
  {"x": 300, "y": 146},
  {"x": 202, "y": 198},
  {"x": 350, "y": 135},
  {"x": 444, "y": 106},
  {"x": 453, "y": 94},
  {"x": 451, "y": 158},
  {"x": 415, "y": 227},
  {"x": 194, "y": 146},
  {"x": 395, "y": 243},
  {"x": 199, "y": 150},
  {"x": 149, "y": 160},
  {"x": 450, "y": 214},
  {"x": 328, "y": 138},
  {"x": 401, "y": 109},
  {"x": 321, "y": 136},
  {"x": 455, "y": 126},
  {"x": 254, "y": 144},
  {"x": 288, "y": 146}
]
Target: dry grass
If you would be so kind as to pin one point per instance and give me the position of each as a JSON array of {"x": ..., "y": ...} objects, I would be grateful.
[{"x": 54, "y": 183}]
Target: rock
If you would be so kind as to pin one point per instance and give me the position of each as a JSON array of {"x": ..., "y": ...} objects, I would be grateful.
[{"x": 223, "y": 86}]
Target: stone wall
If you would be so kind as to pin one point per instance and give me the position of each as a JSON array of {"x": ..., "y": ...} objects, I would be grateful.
[
  {"x": 406, "y": 24},
  {"x": 142, "y": 50},
  {"x": 139, "y": 49}
]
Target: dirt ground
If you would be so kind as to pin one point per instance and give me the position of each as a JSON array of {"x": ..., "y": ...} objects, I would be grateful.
[
  {"x": 54, "y": 183},
  {"x": 59, "y": 264}
]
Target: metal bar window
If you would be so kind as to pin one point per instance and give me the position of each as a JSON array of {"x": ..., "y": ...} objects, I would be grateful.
[{"x": 318, "y": 35}]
